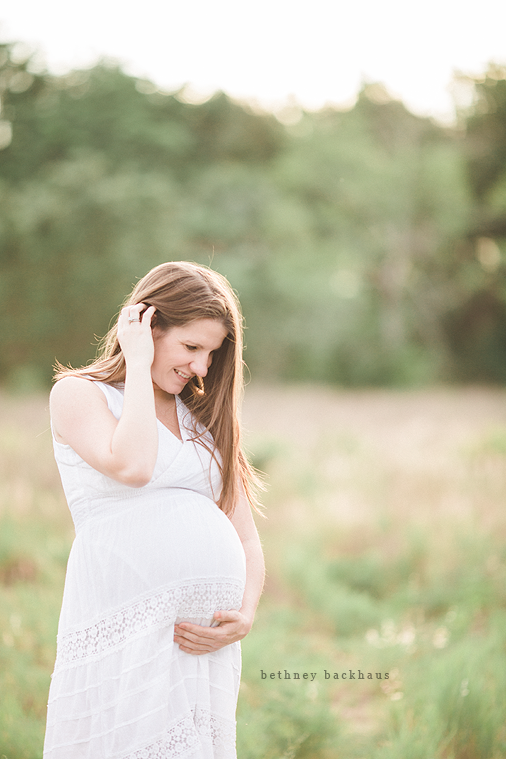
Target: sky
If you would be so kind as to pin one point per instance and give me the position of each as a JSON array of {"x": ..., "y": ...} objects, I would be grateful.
[{"x": 272, "y": 52}]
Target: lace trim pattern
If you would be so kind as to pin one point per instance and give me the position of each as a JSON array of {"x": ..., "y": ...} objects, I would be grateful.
[
  {"x": 176, "y": 742},
  {"x": 191, "y": 601},
  {"x": 208, "y": 725},
  {"x": 184, "y": 738}
]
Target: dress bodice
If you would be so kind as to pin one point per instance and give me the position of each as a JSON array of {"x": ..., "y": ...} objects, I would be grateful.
[{"x": 183, "y": 464}]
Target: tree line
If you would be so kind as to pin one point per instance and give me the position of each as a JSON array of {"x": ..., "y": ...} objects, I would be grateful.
[{"x": 366, "y": 245}]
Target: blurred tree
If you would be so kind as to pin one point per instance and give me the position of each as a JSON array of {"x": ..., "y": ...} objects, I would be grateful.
[
  {"x": 476, "y": 324},
  {"x": 93, "y": 189},
  {"x": 353, "y": 237},
  {"x": 105, "y": 110},
  {"x": 376, "y": 197},
  {"x": 485, "y": 122}
]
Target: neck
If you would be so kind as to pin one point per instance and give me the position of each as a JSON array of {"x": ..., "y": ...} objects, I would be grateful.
[{"x": 162, "y": 397}]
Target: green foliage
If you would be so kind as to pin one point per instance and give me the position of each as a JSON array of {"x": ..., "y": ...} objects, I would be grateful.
[
  {"x": 350, "y": 236},
  {"x": 443, "y": 616},
  {"x": 283, "y": 718},
  {"x": 416, "y": 592},
  {"x": 32, "y": 569},
  {"x": 359, "y": 591},
  {"x": 449, "y": 668},
  {"x": 459, "y": 713},
  {"x": 486, "y": 129}
]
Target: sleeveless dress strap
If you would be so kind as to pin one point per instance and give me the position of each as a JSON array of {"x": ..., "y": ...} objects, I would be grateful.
[{"x": 114, "y": 397}]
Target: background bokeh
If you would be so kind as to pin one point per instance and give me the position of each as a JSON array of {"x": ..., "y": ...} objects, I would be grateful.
[{"x": 367, "y": 246}]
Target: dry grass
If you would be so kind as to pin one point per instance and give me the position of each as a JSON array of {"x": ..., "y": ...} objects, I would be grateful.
[
  {"x": 29, "y": 480},
  {"x": 395, "y": 499},
  {"x": 415, "y": 455},
  {"x": 379, "y": 473}
]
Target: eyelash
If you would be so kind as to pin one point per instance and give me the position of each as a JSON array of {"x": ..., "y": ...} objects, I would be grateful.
[{"x": 194, "y": 348}]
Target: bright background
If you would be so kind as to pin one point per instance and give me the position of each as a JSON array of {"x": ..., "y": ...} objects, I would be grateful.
[
  {"x": 267, "y": 51},
  {"x": 368, "y": 249}
]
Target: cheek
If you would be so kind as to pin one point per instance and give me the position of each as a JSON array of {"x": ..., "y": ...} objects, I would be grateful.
[{"x": 163, "y": 354}]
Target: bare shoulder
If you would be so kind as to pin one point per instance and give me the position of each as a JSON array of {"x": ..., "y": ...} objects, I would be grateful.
[
  {"x": 70, "y": 390},
  {"x": 74, "y": 403}
]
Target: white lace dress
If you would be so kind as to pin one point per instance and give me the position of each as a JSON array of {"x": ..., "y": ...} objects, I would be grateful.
[{"x": 144, "y": 558}]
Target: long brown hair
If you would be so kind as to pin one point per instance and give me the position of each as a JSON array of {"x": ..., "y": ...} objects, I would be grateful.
[{"x": 182, "y": 292}]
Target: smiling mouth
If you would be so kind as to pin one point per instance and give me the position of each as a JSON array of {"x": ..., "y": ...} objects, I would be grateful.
[{"x": 183, "y": 376}]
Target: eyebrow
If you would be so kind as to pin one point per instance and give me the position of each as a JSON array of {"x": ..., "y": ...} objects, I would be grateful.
[{"x": 198, "y": 345}]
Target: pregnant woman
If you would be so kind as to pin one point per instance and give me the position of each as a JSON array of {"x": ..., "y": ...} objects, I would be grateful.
[{"x": 166, "y": 569}]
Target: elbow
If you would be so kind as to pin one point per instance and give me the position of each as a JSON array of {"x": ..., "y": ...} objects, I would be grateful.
[
  {"x": 136, "y": 477},
  {"x": 138, "y": 482}
]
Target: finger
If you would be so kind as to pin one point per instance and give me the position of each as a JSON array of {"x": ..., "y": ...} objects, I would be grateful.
[
  {"x": 186, "y": 645},
  {"x": 148, "y": 315},
  {"x": 198, "y": 634},
  {"x": 193, "y": 653},
  {"x": 129, "y": 315},
  {"x": 230, "y": 615},
  {"x": 218, "y": 617},
  {"x": 192, "y": 628},
  {"x": 194, "y": 647},
  {"x": 200, "y": 646},
  {"x": 135, "y": 310}
]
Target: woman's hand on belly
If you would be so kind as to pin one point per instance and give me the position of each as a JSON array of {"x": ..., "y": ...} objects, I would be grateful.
[{"x": 195, "y": 639}]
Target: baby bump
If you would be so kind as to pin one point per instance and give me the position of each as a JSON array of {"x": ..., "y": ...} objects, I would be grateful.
[
  {"x": 187, "y": 538},
  {"x": 180, "y": 541}
]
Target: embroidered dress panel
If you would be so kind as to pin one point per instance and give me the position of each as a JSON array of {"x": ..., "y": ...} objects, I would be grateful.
[{"x": 142, "y": 560}]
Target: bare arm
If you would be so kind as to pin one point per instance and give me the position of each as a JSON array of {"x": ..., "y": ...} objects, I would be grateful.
[
  {"x": 242, "y": 519},
  {"x": 233, "y": 625},
  {"x": 123, "y": 449}
]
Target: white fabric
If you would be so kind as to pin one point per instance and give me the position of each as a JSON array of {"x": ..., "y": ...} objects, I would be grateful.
[{"x": 144, "y": 558}]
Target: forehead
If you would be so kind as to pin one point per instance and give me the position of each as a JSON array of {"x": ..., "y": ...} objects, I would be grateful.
[{"x": 208, "y": 333}]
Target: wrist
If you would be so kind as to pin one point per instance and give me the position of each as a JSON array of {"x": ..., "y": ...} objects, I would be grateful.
[
  {"x": 249, "y": 617},
  {"x": 137, "y": 369}
]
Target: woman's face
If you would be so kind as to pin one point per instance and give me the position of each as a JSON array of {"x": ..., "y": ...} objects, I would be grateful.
[{"x": 183, "y": 352}]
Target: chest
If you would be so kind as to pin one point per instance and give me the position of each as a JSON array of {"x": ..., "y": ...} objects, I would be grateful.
[{"x": 166, "y": 413}]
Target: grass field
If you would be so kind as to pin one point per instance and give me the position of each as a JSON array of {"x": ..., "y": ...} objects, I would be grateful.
[{"x": 385, "y": 542}]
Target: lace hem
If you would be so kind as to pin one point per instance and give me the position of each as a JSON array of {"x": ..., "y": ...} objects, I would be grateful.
[
  {"x": 184, "y": 738},
  {"x": 199, "y": 600},
  {"x": 220, "y": 732}
]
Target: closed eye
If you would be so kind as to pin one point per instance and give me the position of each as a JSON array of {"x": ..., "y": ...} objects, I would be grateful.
[{"x": 191, "y": 347}]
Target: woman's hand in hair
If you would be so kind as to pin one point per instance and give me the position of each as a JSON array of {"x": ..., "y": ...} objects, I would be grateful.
[
  {"x": 124, "y": 449},
  {"x": 135, "y": 336},
  {"x": 195, "y": 639}
]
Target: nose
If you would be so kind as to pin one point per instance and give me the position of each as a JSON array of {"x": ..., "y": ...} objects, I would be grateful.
[{"x": 200, "y": 365}]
